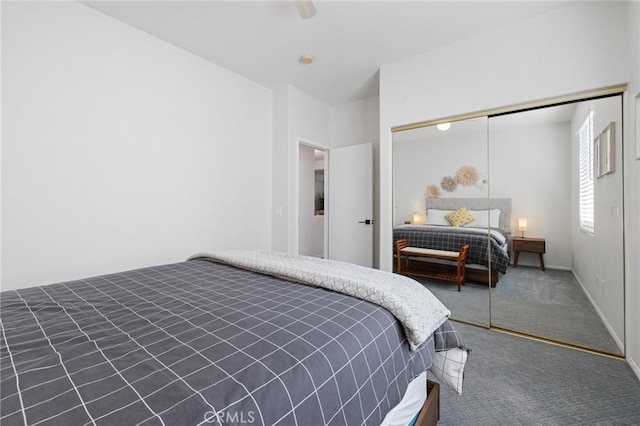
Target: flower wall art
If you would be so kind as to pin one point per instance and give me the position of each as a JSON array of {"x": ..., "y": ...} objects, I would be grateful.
[
  {"x": 432, "y": 191},
  {"x": 465, "y": 176}
]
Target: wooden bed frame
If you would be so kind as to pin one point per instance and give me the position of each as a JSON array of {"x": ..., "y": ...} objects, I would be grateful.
[{"x": 430, "y": 412}]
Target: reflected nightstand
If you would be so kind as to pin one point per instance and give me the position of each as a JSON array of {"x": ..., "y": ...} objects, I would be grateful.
[{"x": 528, "y": 245}]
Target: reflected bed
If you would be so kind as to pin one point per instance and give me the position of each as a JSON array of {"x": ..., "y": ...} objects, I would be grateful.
[{"x": 487, "y": 234}]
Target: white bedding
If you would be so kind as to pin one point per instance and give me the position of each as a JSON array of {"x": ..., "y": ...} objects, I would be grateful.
[
  {"x": 410, "y": 404},
  {"x": 481, "y": 218}
]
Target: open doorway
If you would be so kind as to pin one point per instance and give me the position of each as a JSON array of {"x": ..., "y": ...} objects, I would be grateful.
[{"x": 312, "y": 192}]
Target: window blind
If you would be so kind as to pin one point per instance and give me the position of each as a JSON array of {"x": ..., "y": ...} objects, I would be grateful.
[{"x": 586, "y": 170}]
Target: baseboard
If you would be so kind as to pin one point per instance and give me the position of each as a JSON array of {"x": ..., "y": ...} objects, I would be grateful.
[
  {"x": 634, "y": 367},
  {"x": 600, "y": 314},
  {"x": 559, "y": 268}
]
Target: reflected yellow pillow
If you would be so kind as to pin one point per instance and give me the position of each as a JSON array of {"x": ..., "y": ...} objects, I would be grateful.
[{"x": 460, "y": 217}]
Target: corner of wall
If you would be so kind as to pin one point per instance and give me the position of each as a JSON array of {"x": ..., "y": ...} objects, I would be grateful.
[{"x": 632, "y": 193}]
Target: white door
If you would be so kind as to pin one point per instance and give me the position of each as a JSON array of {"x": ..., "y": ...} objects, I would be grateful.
[{"x": 350, "y": 204}]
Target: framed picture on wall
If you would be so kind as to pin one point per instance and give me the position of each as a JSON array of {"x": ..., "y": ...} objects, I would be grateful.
[
  {"x": 608, "y": 145},
  {"x": 597, "y": 156}
]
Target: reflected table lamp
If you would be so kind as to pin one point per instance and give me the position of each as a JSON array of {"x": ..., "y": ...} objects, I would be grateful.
[{"x": 522, "y": 225}]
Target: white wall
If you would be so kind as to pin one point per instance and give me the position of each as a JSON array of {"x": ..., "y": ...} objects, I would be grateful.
[
  {"x": 302, "y": 118},
  {"x": 310, "y": 123},
  {"x": 122, "y": 151},
  {"x": 598, "y": 257},
  {"x": 433, "y": 156},
  {"x": 280, "y": 171},
  {"x": 356, "y": 123},
  {"x": 632, "y": 193},
  {"x": 532, "y": 166},
  {"x": 583, "y": 46},
  {"x": 298, "y": 118}
]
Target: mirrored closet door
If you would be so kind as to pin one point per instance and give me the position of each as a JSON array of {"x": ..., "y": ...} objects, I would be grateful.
[
  {"x": 562, "y": 168},
  {"x": 439, "y": 173},
  {"x": 540, "y": 192}
]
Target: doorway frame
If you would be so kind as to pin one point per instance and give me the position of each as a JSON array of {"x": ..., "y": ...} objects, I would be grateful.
[{"x": 294, "y": 205}]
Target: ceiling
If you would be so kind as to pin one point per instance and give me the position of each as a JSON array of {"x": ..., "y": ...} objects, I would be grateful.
[{"x": 350, "y": 40}]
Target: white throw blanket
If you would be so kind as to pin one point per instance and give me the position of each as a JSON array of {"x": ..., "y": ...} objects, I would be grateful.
[{"x": 417, "y": 309}]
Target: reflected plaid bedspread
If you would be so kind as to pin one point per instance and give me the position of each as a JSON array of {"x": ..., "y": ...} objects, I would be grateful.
[
  {"x": 201, "y": 343},
  {"x": 452, "y": 239}
]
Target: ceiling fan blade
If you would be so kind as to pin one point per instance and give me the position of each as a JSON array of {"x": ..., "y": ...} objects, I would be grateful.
[{"x": 306, "y": 8}]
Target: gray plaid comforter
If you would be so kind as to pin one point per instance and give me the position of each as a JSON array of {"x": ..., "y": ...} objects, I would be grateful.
[
  {"x": 452, "y": 239},
  {"x": 201, "y": 343}
]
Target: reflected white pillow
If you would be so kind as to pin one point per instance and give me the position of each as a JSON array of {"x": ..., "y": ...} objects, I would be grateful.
[
  {"x": 437, "y": 217},
  {"x": 484, "y": 218}
]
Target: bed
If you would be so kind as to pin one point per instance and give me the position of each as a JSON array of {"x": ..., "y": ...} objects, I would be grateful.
[
  {"x": 226, "y": 338},
  {"x": 487, "y": 234}
]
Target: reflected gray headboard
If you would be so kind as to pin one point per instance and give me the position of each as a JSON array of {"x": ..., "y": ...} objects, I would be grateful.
[{"x": 504, "y": 204}]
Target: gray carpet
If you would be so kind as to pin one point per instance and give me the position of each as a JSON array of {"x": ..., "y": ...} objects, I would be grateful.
[
  {"x": 471, "y": 304},
  {"x": 548, "y": 304},
  {"x": 515, "y": 381}
]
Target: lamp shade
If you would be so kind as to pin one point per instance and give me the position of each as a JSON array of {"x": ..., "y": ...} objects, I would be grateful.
[
  {"x": 522, "y": 224},
  {"x": 417, "y": 218}
]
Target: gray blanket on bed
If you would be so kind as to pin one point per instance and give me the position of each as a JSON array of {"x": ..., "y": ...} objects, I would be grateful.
[
  {"x": 201, "y": 343},
  {"x": 417, "y": 309}
]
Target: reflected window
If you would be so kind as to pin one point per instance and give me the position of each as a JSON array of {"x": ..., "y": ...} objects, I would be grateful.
[{"x": 586, "y": 170}]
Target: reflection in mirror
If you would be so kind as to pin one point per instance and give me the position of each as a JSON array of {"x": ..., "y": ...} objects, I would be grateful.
[
  {"x": 438, "y": 170},
  {"x": 318, "y": 202},
  {"x": 566, "y": 280}
]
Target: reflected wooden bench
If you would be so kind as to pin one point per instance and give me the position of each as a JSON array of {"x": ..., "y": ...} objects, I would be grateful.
[{"x": 404, "y": 251}]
